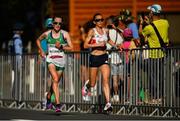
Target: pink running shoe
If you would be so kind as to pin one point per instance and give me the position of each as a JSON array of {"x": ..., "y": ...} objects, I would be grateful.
[
  {"x": 58, "y": 108},
  {"x": 86, "y": 94},
  {"x": 49, "y": 106},
  {"x": 84, "y": 91}
]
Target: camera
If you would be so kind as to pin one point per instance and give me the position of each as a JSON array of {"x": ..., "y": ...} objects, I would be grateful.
[
  {"x": 145, "y": 18},
  {"x": 109, "y": 26},
  {"x": 113, "y": 48}
]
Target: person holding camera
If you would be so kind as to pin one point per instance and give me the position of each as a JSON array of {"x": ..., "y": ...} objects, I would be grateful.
[
  {"x": 129, "y": 21},
  {"x": 156, "y": 33},
  {"x": 114, "y": 34}
]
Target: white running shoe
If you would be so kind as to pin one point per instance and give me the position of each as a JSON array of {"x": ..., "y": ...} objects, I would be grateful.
[
  {"x": 116, "y": 98},
  {"x": 87, "y": 98},
  {"x": 108, "y": 107},
  {"x": 86, "y": 94}
]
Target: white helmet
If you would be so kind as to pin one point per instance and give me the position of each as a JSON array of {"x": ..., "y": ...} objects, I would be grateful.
[{"x": 156, "y": 8}]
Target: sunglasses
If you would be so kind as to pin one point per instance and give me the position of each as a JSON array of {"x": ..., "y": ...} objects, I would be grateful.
[
  {"x": 57, "y": 23},
  {"x": 98, "y": 20}
]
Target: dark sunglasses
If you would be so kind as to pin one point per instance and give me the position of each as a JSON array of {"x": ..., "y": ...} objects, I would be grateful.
[
  {"x": 57, "y": 23},
  {"x": 98, "y": 20}
]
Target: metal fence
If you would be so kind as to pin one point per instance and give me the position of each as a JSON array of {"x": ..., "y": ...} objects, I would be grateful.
[{"x": 147, "y": 86}]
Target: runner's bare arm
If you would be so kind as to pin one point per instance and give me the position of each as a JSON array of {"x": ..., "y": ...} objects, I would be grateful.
[
  {"x": 109, "y": 40},
  {"x": 38, "y": 42},
  {"x": 69, "y": 46}
]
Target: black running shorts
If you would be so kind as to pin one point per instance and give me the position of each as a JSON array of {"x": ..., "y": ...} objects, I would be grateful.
[{"x": 98, "y": 60}]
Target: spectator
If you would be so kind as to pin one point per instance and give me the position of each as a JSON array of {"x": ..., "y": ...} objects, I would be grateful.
[
  {"x": 115, "y": 57},
  {"x": 128, "y": 19},
  {"x": 156, "y": 55},
  {"x": 122, "y": 24},
  {"x": 16, "y": 48},
  {"x": 127, "y": 45},
  {"x": 18, "y": 44},
  {"x": 48, "y": 26},
  {"x": 3, "y": 47},
  {"x": 84, "y": 54}
]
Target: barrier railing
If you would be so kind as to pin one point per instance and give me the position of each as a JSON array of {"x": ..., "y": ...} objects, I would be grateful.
[{"x": 145, "y": 86}]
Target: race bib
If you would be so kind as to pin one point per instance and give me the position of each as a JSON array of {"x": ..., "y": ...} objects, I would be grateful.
[{"x": 55, "y": 55}]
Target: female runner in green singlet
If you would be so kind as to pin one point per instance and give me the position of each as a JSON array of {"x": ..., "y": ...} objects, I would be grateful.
[{"x": 58, "y": 41}]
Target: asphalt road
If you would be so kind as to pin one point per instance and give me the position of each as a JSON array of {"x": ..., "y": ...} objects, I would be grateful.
[{"x": 23, "y": 114}]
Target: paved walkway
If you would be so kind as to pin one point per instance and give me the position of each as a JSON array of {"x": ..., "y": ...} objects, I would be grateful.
[{"x": 22, "y": 114}]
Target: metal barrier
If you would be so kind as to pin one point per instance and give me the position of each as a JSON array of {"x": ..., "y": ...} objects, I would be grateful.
[
  {"x": 22, "y": 80},
  {"x": 149, "y": 87}
]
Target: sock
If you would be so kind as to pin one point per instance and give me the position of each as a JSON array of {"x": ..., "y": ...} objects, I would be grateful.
[
  {"x": 51, "y": 89},
  {"x": 48, "y": 99}
]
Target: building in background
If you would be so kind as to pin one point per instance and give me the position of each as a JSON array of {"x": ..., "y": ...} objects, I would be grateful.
[
  {"x": 77, "y": 12},
  {"x": 33, "y": 13}
]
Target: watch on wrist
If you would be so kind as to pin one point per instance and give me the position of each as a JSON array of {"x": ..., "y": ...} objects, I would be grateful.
[{"x": 61, "y": 47}]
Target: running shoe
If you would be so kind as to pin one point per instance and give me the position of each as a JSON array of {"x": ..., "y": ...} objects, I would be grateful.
[
  {"x": 116, "y": 98},
  {"x": 86, "y": 94},
  {"x": 58, "y": 108},
  {"x": 108, "y": 107},
  {"x": 87, "y": 97},
  {"x": 49, "y": 106},
  {"x": 84, "y": 91}
]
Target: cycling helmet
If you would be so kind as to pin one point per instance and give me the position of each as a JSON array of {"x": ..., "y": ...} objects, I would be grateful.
[
  {"x": 156, "y": 8},
  {"x": 49, "y": 23}
]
